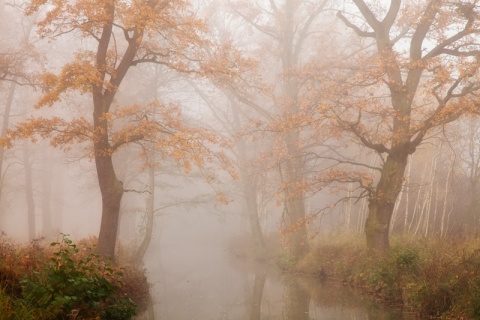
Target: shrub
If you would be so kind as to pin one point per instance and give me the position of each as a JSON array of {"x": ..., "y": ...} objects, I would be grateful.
[{"x": 77, "y": 284}]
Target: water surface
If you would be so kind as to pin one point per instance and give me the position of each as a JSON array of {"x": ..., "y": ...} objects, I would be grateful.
[{"x": 206, "y": 283}]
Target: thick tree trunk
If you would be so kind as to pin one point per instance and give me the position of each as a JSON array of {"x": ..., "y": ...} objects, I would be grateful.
[
  {"x": 112, "y": 191},
  {"x": 298, "y": 241},
  {"x": 294, "y": 202},
  {"x": 294, "y": 164},
  {"x": 383, "y": 201},
  {"x": 110, "y": 187}
]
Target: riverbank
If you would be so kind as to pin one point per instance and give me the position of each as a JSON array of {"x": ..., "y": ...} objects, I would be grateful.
[
  {"x": 63, "y": 280},
  {"x": 431, "y": 277},
  {"x": 434, "y": 278}
]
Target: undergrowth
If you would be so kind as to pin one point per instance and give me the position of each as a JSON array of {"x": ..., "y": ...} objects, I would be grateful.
[
  {"x": 66, "y": 281},
  {"x": 433, "y": 277}
]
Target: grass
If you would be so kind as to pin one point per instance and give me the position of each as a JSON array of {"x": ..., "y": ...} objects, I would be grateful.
[{"x": 436, "y": 278}]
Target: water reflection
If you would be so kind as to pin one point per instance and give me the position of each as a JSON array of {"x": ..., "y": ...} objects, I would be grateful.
[
  {"x": 256, "y": 301},
  {"x": 259, "y": 293},
  {"x": 297, "y": 300}
]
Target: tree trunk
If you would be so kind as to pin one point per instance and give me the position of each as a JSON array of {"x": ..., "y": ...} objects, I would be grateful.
[
  {"x": 250, "y": 189},
  {"x": 382, "y": 203},
  {"x": 255, "y": 227},
  {"x": 444, "y": 222},
  {"x": 110, "y": 187},
  {"x": 47, "y": 225},
  {"x": 407, "y": 203},
  {"x": 112, "y": 191},
  {"x": 298, "y": 240},
  {"x": 294, "y": 202},
  {"x": 6, "y": 118},
  {"x": 147, "y": 237},
  {"x": 29, "y": 192}
]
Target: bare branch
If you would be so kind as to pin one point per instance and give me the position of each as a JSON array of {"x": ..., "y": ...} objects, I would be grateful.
[{"x": 357, "y": 30}]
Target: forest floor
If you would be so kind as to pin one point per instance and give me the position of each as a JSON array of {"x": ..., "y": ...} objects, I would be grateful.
[
  {"x": 434, "y": 277},
  {"x": 63, "y": 280}
]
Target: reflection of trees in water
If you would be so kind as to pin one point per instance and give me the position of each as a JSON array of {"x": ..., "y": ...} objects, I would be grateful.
[
  {"x": 259, "y": 293},
  {"x": 303, "y": 298},
  {"x": 256, "y": 301},
  {"x": 335, "y": 301},
  {"x": 297, "y": 300},
  {"x": 294, "y": 303}
]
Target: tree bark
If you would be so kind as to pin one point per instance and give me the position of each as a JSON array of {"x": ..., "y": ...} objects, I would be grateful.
[
  {"x": 382, "y": 203},
  {"x": 112, "y": 191}
]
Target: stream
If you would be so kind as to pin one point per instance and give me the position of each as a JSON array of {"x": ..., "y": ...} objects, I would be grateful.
[{"x": 195, "y": 277}]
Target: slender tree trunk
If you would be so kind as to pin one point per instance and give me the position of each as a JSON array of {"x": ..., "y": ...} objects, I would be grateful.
[
  {"x": 58, "y": 205},
  {"x": 430, "y": 190},
  {"x": 348, "y": 207},
  {"x": 29, "y": 192},
  {"x": 361, "y": 215},
  {"x": 255, "y": 227},
  {"x": 47, "y": 225},
  {"x": 6, "y": 119},
  {"x": 383, "y": 201},
  {"x": 250, "y": 189},
  {"x": 444, "y": 221},
  {"x": 417, "y": 201},
  {"x": 147, "y": 237},
  {"x": 407, "y": 202}
]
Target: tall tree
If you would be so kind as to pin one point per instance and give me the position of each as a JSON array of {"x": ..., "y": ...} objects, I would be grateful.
[
  {"x": 126, "y": 34},
  {"x": 285, "y": 29},
  {"x": 418, "y": 72}
]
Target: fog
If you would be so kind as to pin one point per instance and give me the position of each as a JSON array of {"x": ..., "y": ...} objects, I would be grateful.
[{"x": 190, "y": 137}]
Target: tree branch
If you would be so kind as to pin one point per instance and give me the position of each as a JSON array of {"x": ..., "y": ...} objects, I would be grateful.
[{"x": 357, "y": 30}]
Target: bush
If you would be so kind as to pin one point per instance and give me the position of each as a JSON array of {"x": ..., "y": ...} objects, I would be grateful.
[{"x": 72, "y": 285}]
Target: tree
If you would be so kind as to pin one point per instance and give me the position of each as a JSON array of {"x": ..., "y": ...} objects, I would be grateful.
[
  {"x": 125, "y": 34},
  {"x": 15, "y": 55},
  {"x": 417, "y": 71},
  {"x": 285, "y": 29}
]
